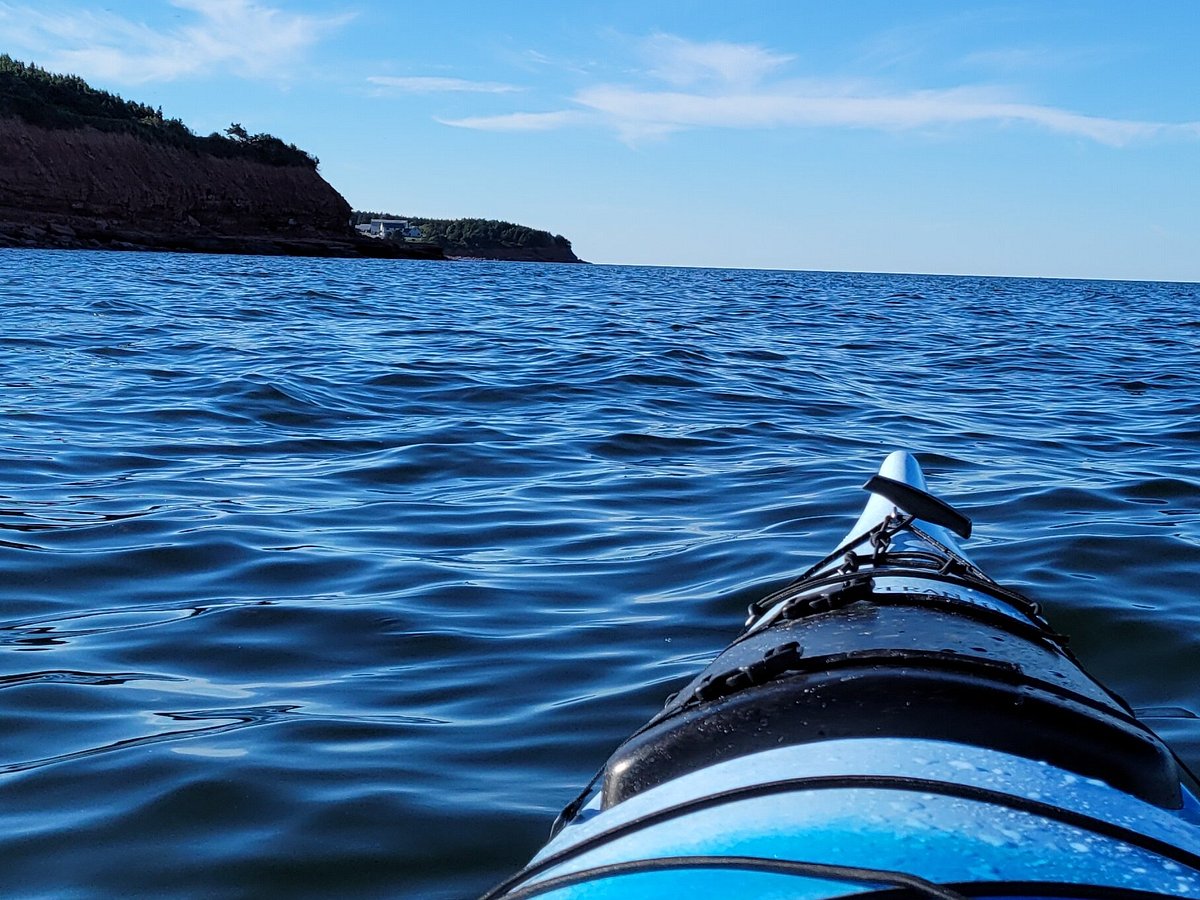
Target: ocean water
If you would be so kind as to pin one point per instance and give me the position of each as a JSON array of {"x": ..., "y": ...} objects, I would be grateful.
[{"x": 331, "y": 577}]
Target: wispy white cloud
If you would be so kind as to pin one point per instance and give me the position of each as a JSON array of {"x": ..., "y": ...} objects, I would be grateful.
[
  {"x": 248, "y": 38},
  {"x": 721, "y": 85},
  {"x": 636, "y": 112},
  {"x": 428, "y": 84},
  {"x": 686, "y": 63},
  {"x": 548, "y": 121}
]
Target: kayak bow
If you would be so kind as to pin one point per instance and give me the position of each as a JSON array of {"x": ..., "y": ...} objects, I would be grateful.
[{"x": 891, "y": 721}]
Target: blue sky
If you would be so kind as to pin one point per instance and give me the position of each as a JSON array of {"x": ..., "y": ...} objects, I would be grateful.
[{"x": 1013, "y": 138}]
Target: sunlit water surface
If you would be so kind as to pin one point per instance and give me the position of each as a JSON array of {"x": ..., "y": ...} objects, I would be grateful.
[{"x": 329, "y": 577}]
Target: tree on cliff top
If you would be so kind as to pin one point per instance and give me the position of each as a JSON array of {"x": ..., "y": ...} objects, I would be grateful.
[{"x": 30, "y": 93}]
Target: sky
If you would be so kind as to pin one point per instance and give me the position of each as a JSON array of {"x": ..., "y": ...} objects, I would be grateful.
[{"x": 1038, "y": 138}]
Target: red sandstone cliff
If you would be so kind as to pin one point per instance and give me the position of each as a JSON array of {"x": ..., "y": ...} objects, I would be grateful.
[{"x": 85, "y": 187}]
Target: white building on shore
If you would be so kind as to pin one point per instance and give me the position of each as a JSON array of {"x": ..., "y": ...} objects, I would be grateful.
[{"x": 390, "y": 229}]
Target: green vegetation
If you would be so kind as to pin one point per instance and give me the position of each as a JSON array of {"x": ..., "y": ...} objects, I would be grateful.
[
  {"x": 474, "y": 234},
  {"x": 42, "y": 98}
]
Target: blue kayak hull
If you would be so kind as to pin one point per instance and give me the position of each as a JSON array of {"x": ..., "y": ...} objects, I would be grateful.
[{"x": 948, "y": 813}]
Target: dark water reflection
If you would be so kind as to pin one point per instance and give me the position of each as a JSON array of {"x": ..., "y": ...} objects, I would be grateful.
[{"x": 340, "y": 577}]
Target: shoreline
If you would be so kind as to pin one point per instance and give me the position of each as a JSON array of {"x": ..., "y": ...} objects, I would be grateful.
[
  {"x": 56, "y": 236},
  {"x": 89, "y": 236}
]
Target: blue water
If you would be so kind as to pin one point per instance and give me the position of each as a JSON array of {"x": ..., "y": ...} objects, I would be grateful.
[{"x": 326, "y": 577}]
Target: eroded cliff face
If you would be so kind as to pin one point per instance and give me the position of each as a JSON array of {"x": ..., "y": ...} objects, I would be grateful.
[{"x": 90, "y": 188}]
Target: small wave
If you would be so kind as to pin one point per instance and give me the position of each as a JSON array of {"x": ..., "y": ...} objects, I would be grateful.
[
  {"x": 61, "y": 629},
  {"x": 114, "y": 352},
  {"x": 211, "y": 722},
  {"x": 67, "y": 676},
  {"x": 643, "y": 446}
]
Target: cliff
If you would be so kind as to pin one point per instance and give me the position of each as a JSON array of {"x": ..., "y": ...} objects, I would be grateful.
[
  {"x": 81, "y": 187},
  {"x": 80, "y": 167}
]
